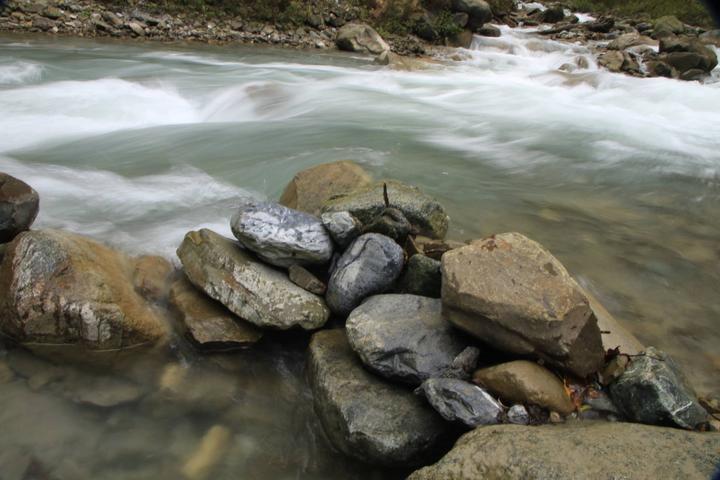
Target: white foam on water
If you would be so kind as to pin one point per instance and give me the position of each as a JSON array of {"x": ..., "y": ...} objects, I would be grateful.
[{"x": 18, "y": 73}]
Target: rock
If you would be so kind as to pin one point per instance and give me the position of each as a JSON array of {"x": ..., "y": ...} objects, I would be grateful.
[
  {"x": 652, "y": 390},
  {"x": 711, "y": 37},
  {"x": 424, "y": 28},
  {"x": 152, "y": 277},
  {"x": 361, "y": 38},
  {"x": 364, "y": 416},
  {"x": 404, "y": 337},
  {"x": 103, "y": 391},
  {"x": 555, "y": 418},
  {"x": 19, "y": 205},
  {"x": 478, "y": 11},
  {"x": 601, "y": 25},
  {"x": 685, "y": 61},
  {"x": 136, "y": 28},
  {"x": 343, "y": 227},
  {"x": 61, "y": 289},
  {"x": 668, "y": 24},
  {"x": 462, "y": 39},
  {"x": 660, "y": 69},
  {"x": 518, "y": 415},
  {"x": 459, "y": 401},
  {"x": 255, "y": 292},
  {"x": 553, "y": 14},
  {"x": 612, "y": 60},
  {"x": 614, "y": 334},
  {"x": 53, "y": 13},
  {"x": 206, "y": 391},
  {"x": 489, "y": 31},
  {"x": 280, "y": 235},
  {"x": 577, "y": 450},
  {"x": 306, "y": 280},
  {"x": 391, "y": 223},
  {"x": 422, "y": 277},
  {"x": 525, "y": 382},
  {"x": 311, "y": 188},
  {"x": 424, "y": 213},
  {"x": 212, "y": 449},
  {"x": 511, "y": 293},
  {"x": 432, "y": 248},
  {"x": 693, "y": 75},
  {"x": 6, "y": 373},
  {"x": 210, "y": 325},
  {"x": 43, "y": 24},
  {"x": 369, "y": 266},
  {"x": 112, "y": 19},
  {"x": 461, "y": 19},
  {"x": 631, "y": 39}
]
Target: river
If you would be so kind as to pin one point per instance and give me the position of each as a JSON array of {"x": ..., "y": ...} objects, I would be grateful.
[{"x": 137, "y": 143}]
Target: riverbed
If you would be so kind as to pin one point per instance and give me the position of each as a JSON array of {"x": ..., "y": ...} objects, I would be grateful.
[{"x": 137, "y": 143}]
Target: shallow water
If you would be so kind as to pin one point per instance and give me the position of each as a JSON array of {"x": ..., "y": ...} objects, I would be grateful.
[{"x": 136, "y": 144}]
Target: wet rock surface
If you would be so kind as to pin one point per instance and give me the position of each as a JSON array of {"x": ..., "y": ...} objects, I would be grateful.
[
  {"x": 459, "y": 401},
  {"x": 19, "y": 204},
  {"x": 510, "y": 292},
  {"x": 422, "y": 276},
  {"x": 343, "y": 227},
  {"x": 361, "y": 38},
  {"x": 404, "y": 337},
  {"x": 653, "y": 390},
  {"x": 280, "y": 235},
  {"x": 255, "y": 292},
  {"x": 577, "y": 450},
  {"x": 364, "y": 416},
  {"x": 369, "y": 266}
]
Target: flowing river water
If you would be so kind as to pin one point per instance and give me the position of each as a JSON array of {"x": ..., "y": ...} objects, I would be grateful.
[{"x": 135, "y": 144}]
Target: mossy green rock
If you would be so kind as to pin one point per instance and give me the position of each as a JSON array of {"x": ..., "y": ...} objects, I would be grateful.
[{"x": 423, "y": 211}]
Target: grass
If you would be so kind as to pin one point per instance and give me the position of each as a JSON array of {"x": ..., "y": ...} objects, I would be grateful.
[{"x": 689, "y": 11}]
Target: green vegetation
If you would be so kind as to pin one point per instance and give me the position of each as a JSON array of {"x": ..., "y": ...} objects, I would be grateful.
[{"x": 689, "y": 11}]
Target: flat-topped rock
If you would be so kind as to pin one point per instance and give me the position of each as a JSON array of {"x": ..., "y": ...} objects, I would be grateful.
[
  {"x": 424, "y": 212},
  {"x": 511, "y": 293},
  {"x": 209, "y": 324},
  {"x": 280, "y": 235},
  {"x": 404, "y": 337},
  {"x": 19, "y": 204},
  {"x": 364, "y": 416},
  {"x": 250, "y": 289}
]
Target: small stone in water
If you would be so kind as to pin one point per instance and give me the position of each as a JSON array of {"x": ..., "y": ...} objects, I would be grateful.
[{"x": 518, "y": 415}]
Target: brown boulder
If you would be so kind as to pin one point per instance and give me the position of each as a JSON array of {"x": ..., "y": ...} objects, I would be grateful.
[
  {"x": 311, "y": 188},
  {"x": 510, "y": 292},
  {"x": 19, "y": 205}
]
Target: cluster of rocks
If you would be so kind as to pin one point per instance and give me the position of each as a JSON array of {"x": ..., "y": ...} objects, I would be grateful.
[{"x": 416, "y": 338}]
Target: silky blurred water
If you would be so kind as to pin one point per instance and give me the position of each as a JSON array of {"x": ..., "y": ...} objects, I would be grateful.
[{"x": 136, "y": 144}]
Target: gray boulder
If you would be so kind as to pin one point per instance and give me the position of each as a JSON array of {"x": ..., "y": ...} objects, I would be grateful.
[
  {"x": 652, "y": 390},
  {"x": 421, "y": 277},
  {"x": 19, "y": 205},
  {"x": 358, "y": 37},
  {"x": 255, "y": 292},
  {"x": 364, "y": 416},
  {"x": 404, "y": 337},
  {"x": 511, "y": 293},
  {"x": 343, "y": 227},
  {"x": 280, "y": 235},
  {"x": 459, "y": 401},
  {"x": 581, "y": 450},
  {"x": 425, "y": 214},
  {"x": 369, "y": 266},
  {"x": 479, "y": 12}
]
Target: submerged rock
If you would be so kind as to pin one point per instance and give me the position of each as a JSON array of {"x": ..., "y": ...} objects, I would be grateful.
[
  {"x": 253, "y": 291},
  {"x": 425, "y": 214},
  {"x": 459, "y": 401},
  {"x": 103, "y": 391},
  {"x": 280, "y": 235},
  {"x": 422, "y": 277},
  {"x": 210, "y": 325},
  {"x": 525, "y": 382},
  {"x": 61, "y": 289},
  {"x": 369, "y": 266},
  {"x": 152, "y": 277},
  {"x": 577, "y": 450},
  {"x": 404, "y": 337},
  {"x": 361, "y": 38},
  {"x": 653, "y": 390},
  {"x": 511, "y": 293},
  {"x": 343, "y": 227},
  {"x": 19, "y": 204},
  {"x": 212, "y": 448},
  {"x": 311, "y": 188},
  {"x": 364, "y": 416}
]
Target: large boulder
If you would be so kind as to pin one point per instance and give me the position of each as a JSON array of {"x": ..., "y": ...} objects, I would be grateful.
[
  {"x": 255, "y": 292},
  {"x": 358, "y": 37},
  {"x": 280, "y": 235},
  {"x": 208, "y": 324},
  {"x": 423, "y": 211},
  {"x": 511, "y": 293},
  {"x": 19, "y": 205},
  {"x": 479, "y": 12},
  {"x": 404, "y": 337},
  {"x": 653, "y": 390},
  {"x": 369, "y": 266},
  {"x": 364, "y": 416},
  {"x": 311, "y": 188},
  {"x": 667, "y": 25},
  {"x": 525, "y": 382},
  {"x": 459, "y": 401},
  {"x": 684, "y": 54},
  {"x": 59, "y": 289},
  {"x": 578, "y": 450}
]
